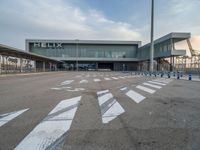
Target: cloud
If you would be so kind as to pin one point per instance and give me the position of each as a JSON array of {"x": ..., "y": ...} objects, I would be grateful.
[{"x": 57, "y": 19}]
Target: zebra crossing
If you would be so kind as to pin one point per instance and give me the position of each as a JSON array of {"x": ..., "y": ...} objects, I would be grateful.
[
  {"x": 52, "y": 130},
  {"x": 65, "y": 83},
  {"x": 5, "y": 118},
  {"x": 109, "y": 106},
  {"x": 50, "y": 133}
]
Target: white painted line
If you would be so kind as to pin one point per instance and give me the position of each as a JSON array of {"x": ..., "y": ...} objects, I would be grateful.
[
  {"x": 97, "y": 80},
  {"x": 115, "y": 78},
  {"x": 135, "y": 96},
  {"x": 67, "y": 82},
  {"x": 102, "y": 92},
  {"x": 158, "y": 83},
  {"x": 122, "y": 77},
  {"x": 152, "y": 85},
  {"x": 48, "y": 133},
  {"x": 145, "y": 89},
  {"x": 104, "y": 98},
  {"x": 78, "y": 76},
  {"x": 56, "y": 88},
  {"x": 83, "y": 81},
  {"x": 110, "y": 108},
  {"x": 76, "y": 90},
  {"x": 61, "y": 88},
  {"x": 163, "y": 80},
  {"x": 107, "y": 79},
  {"x": 5, "y": 118},
  {"x": 124, "y": 88}
]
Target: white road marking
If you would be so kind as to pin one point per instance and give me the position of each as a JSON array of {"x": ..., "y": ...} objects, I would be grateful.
[
  {"x": 163, "y": 80},
  {"x": 102, "y": 92},
  {"x": 115, "y": 78},
  {"x": 107, "y": 79},
  {"x": 56, "y": 88},
  {"x": 110, "y": 108},
  {"x": 158, "y": 83},
  {"x": 78, "y": 76},
  {"x": 122, "y": 77},
  {"x": 135, "y": 96},
  {"x": 152, "y": 85},
  {"x": 145, "y": 89},
  {"x": 60, "y": 88},
  {"x": 5, "y": 118},
  {"x": 124, "y": 88},
  {"x": 49, "y": 133},
  {"x": 76, "y": 90},
  {"x": 97, "y": 80},
  {"x": 67, "y": 82},
  {"x": 84, "y": 81}
]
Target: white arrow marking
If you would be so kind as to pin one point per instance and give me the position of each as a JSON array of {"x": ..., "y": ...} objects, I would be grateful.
[
  {"x": 5, "y": 118},
  {"x": 67, "y": 82},
  {"x": 49, "y": 133},
  {"x": 84, "y": 81}
]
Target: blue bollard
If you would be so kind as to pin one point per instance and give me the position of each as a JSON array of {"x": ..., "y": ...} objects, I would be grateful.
[
  {"x": 178, "y": 76},
  {"x": 168, "y": 75},
  {"x": 161, "y": 75},
  {"x": 181, "y": 74},
  {"x": 190, "y": 76}
]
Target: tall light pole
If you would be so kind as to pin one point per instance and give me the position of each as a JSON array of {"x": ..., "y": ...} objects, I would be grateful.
[
  {"x": 152, "y": 33},
  {"x": 77, "y": 54}
]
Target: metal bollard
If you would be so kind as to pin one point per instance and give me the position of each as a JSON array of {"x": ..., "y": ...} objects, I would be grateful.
[
  {"x": 178, "y": 76},
  {"x": 168, "y": 75},
  {"x": 181, "y": 74},
  {"x": 190, "y": 76},
  {"x": 161, "y": 75}
]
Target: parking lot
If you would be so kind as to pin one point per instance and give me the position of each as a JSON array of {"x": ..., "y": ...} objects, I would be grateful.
[{"x": 98, "y": 110}]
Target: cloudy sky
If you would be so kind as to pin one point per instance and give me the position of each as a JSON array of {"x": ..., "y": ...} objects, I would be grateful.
[{"x": 95, "y": 19}]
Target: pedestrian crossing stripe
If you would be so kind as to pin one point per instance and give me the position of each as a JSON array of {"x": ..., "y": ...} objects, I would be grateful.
[
  {"x": 152, "y": 85},
  {"x": 135, "y": 96},
  {"x": 110, "y": 108},
  {"x": 143, "y": 88},
  {"x": 158, "y": 83},
  {"x": 52, "y": 129},
  {"x": 5, "y": 118}
]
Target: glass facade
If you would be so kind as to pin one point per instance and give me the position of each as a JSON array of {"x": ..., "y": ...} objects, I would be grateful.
[
  {"x": 87, "y": 51},
  {"x": 161, "y": 49}
]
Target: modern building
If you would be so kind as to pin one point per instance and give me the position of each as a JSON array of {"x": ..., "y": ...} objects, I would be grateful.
[{"x": 112, "y": 55}]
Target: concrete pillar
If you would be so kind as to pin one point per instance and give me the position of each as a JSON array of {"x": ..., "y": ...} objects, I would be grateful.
[{"x": 44, "y": 67}]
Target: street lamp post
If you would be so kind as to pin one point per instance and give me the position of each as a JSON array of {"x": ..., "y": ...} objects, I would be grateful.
[
  {"x": 77, "y": 54},
  {"x": 152, "y": 33}
]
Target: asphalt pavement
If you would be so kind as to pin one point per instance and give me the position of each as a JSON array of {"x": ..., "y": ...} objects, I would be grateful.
[{"x": 98, "y": 111}]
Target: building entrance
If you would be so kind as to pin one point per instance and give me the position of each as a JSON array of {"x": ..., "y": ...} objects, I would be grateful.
[{"x": 106, "y": 66}]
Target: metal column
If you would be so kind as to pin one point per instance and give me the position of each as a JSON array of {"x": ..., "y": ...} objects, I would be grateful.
[{"x": 152, "y": 33}]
